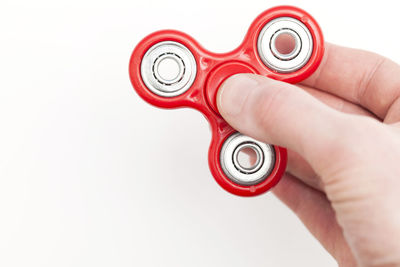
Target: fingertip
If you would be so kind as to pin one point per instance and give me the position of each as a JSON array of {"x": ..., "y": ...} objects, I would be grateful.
[{"x": 232, "y": 94}]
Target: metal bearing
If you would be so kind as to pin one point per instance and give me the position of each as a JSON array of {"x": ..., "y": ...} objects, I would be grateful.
[
  {"x": 246, "y": 175},
  {"x": 167, "y": 84},
  {"x": 268, "y": 52}
]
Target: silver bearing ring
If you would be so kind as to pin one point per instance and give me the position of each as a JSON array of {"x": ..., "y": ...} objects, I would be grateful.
[
  {"x": 168, "y": 69},
  {"x": 240, "y": 172},
  {"x": 269, "y": 53}
]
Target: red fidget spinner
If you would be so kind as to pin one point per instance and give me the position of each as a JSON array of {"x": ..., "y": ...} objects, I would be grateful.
[{"x": 169, "y": 69}]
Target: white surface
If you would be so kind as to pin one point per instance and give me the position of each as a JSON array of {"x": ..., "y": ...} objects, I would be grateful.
[{"x": 91, "y": 175}]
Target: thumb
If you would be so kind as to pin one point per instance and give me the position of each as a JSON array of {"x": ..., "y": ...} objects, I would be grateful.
[
  {"x": 356, "y": 157},
  {"x": 282, "y": 114}
]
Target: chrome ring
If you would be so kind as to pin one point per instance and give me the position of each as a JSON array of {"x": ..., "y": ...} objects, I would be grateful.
[
  {"x": 293, "y": 53},
  {"x": 259, "y": 160},
  {"x": 270, "y": 55},
  {"x": 154, "y": 79},
  {"x": 246, "y": 175},
  {"x": 159, "y": 76}
]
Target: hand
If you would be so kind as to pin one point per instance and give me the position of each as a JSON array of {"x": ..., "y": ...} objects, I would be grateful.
[{"x": 341, "y": 127}]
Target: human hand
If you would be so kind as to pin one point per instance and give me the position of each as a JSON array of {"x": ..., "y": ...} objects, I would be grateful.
[{"x": 342, "y": 131}]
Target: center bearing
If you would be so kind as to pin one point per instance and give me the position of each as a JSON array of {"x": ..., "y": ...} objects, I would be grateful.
[{"x": 219, "y": 75}]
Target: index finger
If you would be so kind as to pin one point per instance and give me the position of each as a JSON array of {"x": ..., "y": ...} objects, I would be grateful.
[{"x": 361, "y": 77}]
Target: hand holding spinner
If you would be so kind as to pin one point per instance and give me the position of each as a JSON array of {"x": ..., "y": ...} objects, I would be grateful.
[{"x": 199, "y": 73}]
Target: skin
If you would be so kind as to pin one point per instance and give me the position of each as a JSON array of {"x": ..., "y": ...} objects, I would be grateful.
[{"x": 342, "y": 130}]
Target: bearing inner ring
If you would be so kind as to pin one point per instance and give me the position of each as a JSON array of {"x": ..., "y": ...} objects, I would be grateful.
[
  {"x": 160, "y": 83},
  {"x": 268, "y": 52},
  {"x": 293, "y": 53},
  {"x": 243, "y": 175},
  {"x": 159, "y": 76},
  {"x": 253, "y": 167}
]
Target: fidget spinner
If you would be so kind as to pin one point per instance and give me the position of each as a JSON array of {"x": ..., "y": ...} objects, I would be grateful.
[{"x": 169, "y": 69}]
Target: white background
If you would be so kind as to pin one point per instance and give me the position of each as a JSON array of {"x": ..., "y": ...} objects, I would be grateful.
[{"x": 91, "y": 175}]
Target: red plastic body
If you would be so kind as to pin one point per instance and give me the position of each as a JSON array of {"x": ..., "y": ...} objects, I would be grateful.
[{"x": 212, "y": 70}]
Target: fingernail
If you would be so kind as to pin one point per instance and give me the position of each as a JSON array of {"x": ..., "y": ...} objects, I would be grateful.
[{"x": 233, "y": 93}]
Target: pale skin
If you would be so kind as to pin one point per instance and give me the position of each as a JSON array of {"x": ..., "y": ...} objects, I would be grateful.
[{"x": 341, "y": 127}]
